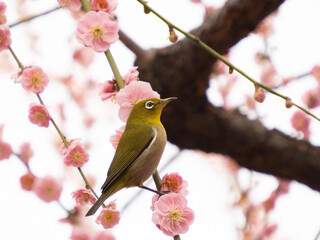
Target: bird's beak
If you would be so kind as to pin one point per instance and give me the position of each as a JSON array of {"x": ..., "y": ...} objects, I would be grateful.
[{"x": 165, "y": 101}]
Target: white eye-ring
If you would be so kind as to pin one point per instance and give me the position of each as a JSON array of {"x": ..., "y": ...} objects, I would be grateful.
[{"x": 149, "y": 105}]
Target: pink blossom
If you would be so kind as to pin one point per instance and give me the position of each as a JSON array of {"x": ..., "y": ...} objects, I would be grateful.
[
  {"x": 283, "y": 187},
  {"x": 109, "y": 216},
  {"x": 300, "y": 121},
  {"x": 73, "y": 5},
  {"x": 173, "y": 182},
  {"x": 311, "y": 98},
  {"x": 268, "y": 230},
  {"x": 84, "y": 56},
  {"x": 104, "y": 236},
  {"x": 250, "y": 102},
  {"x": 132, "y": 75},
  {"x": 76, "y": 235},
  {"x": 172, "y": 216},
  {"x": 131, "y": 94},
  {"x": 39, "y": 115},
  {"x": 75, "y": 155},
  {"x": 104, "y": 5},
  {"x": 259, "y": 94},
  {"x": 227, "y": 87},
  {"x": 83, "y": 197},
  {"x": 25, "y": 153},
  {"x": 114, "y": 139},
  {"x": 27, "y": 181},
  {"x": 33, "y": 79},
  {"x": 315, "y": 71},
  {"x": 268, "y": 74},
  {"x": 5, "y": 37},
  {"x": 5, "y": 150},
  {"x": 48, "y": 189},
  {"x": 154, "y": 199},
  {"x": 96, "y": 30},
  {"x": 108, "y": 90},
  {"x": 3, "y": 17},
  {"x": 265, "y": 28}
]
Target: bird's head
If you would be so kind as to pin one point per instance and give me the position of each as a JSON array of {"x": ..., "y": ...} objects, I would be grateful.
[{"x": 148, "y": 110}]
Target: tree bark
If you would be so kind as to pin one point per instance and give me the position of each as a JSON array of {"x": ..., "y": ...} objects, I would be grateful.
[{"x": 192, "y": 122}]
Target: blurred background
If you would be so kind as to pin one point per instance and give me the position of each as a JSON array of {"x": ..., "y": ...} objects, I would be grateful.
[{"x": 73, "y": 101}]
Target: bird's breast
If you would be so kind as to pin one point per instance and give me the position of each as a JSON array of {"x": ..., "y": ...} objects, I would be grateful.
[{"x": 146, "y": 164}]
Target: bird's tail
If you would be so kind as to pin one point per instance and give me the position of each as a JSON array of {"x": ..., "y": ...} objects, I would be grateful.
[{"x": 107, "y": 193}]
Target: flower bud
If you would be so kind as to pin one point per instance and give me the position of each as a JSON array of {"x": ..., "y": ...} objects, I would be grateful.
[
  {"x": 173, "y": 37},
  {"x": 259, "y": 94}
]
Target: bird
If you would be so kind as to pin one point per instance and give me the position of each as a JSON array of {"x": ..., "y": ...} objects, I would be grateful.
[{"x": 139, "y": 149}]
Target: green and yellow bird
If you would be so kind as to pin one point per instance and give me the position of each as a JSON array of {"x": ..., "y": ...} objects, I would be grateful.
[{"x": 139, "y": 150}]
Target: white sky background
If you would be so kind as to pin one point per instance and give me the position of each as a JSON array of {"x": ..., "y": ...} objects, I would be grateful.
[{"x": 23, "y": 215}]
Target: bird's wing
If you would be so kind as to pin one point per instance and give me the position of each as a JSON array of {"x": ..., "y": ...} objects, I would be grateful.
[{"x": 132, "y": 144}]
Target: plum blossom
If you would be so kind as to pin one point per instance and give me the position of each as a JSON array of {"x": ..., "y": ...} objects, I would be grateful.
[
  {"x": 311, "y": 98},
  {"x": 5, "y": 37},
  {"x": 131, "y": 94},
  {"x": 32, "y": 79},
  {"x": 83, "y": 197},
  {"x": 25, "y": 153},
  {"x": 48, "y": 188},
  {"x": 97, "y": 31},
  {"x": 39, "y": 115},
  {"x": 300, "y": 122},
  {"x": 109, "y": 216},
  {"x": 315, "y": 71},
  {"x": 104, "y": 236},
  {"x": 76, "y": 235},
  {"x": 27, "y": 181},
  {"x": 104, "y": 5},
  {"x": 131, "y": 75},
  {"x": 5, "y": 150},
  {"x": 173, "y": 182},
  {"x": 172, "y": 216},
  {"x": 75, "y": 154},
  {"x": 73, "y": 5},
  {"x": 84, "y": 56},
  {"x": 3, "y": 17},
  {"x": 109, "y": 89},
  {"x": 114, "y": 139}
]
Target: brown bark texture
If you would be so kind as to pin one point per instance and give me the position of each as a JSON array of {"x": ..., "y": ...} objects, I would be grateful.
[{"x": 183, "y": 70}]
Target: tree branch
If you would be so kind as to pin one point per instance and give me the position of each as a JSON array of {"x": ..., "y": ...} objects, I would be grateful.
[{"x": 183, "y": 70}]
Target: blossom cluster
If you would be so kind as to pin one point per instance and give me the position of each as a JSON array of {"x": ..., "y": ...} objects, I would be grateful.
[
  {"x": 170, "y": 212},
  {"x": 47, "y": 188},
  {"x": 257, "y": 224}
]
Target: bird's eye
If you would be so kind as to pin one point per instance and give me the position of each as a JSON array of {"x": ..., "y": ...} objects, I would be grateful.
[{"x": 149, "y": 105}]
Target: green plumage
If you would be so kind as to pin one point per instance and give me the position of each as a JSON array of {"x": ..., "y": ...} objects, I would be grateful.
[{"x": 139, "y": 149}]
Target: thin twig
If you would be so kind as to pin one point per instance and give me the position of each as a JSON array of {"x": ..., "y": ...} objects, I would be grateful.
[{"x": 27, "y": 19}]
